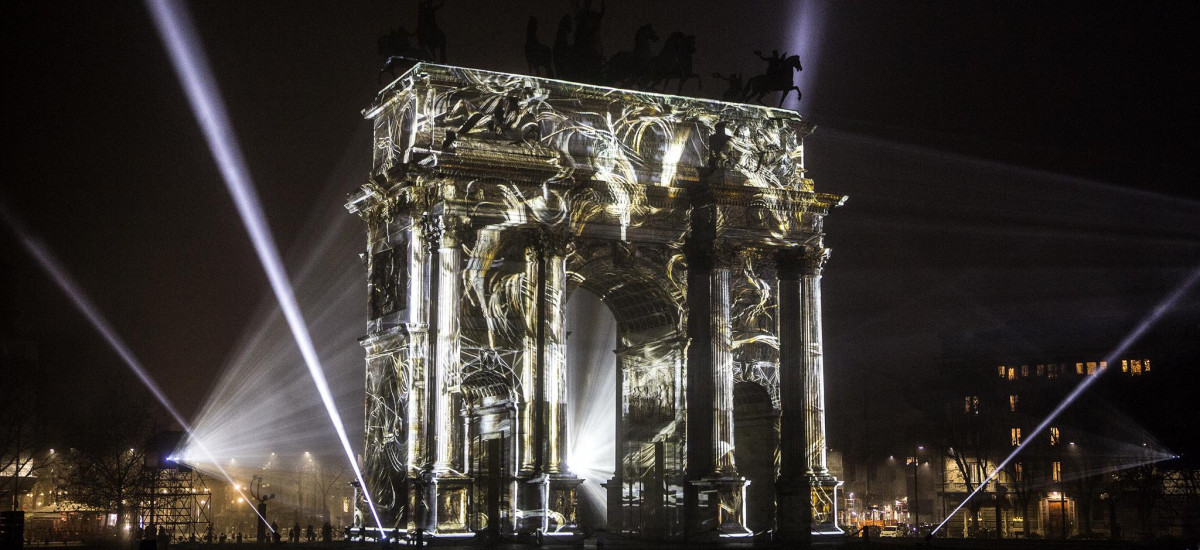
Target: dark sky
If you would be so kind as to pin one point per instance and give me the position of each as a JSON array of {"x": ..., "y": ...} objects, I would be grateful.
[{"x": 1018, "y": 172}]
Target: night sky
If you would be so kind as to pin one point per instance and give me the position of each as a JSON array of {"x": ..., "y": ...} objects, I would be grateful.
[{"x": 1019, "y": 174}]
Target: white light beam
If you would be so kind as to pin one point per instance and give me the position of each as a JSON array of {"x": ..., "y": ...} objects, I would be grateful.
[{"x": 191, "y": 66}]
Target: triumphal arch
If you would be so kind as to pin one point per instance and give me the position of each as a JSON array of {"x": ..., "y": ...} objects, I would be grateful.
[{"x": 492, "y": 199}]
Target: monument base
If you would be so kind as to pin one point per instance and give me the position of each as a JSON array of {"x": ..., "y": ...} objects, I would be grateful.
[{"x": 722, "y": 508}]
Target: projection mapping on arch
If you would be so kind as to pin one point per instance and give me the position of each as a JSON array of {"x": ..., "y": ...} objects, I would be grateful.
[{"x": 495, "y": 198}]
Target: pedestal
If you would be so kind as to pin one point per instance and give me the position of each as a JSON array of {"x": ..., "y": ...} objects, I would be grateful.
[{"x": 722, "y": 507}]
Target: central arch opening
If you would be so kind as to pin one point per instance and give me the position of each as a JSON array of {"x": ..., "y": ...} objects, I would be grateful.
[{"x": 591, "y": 401}]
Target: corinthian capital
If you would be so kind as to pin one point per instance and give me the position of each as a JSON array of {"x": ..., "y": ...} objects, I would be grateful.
[
  {"x": 727, "y": 255},
  {"x": 443, "y": 231},
  {"x": 813, "y": 261},
  {"x": 552, "y": 240},
  {"x": 794, "y": 262}
]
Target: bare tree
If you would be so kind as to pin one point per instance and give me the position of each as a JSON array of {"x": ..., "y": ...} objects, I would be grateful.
[
  {"x": 108, "y": 465},
  {"x": 24, "y": 442}
]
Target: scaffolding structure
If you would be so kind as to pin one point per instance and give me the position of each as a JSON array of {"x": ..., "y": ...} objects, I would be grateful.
[{"x": 179, "y": 502}]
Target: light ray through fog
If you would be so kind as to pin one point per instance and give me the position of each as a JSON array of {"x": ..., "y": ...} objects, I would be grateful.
[
  {"x": 591, "y": 407},
  {"x": 1146, "y": 323},
  {"x": 258, "y": 405},
  {"x": 806, "y": 23},
  {"x": 67, "y": 284},
  {"x": 181, "y": 42}
]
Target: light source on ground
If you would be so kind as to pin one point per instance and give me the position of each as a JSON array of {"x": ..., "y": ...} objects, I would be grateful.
[
  {"x": 82, "y": 302},
  {"x": 191, "y": 67},
  {"x": 1148, "y": 321},
  {"x": 592, "y": 377}
]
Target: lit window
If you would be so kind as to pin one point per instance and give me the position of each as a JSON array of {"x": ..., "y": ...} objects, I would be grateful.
[
  {"x": 1056, "y": 471},
  {"x": 1024, "y": 371},
  {"x": 910, "y": 460},
  {"x": 1053, "y": 435},
  {"x": 1124, "y": 365},
  {"x": 1018, "y": 472},
  {"x": 1012, "y": 373},
  {"x": 1016, "y": 436},
  {"x": 1078, "y": 368},
  {"x": 1003, "y": 371},
  {"x": 1091, "y": 368},
  {"x": 1041, "y": 370},
  {"x": 1012, "y": 402},
  {"x": 1103, "y": 365},
  {"x": 1146, "y": 365},
  {"x": 1135, "y": 367},
  {"x": 1052, "y": 371},
  {"x": 971, "y": 404}
]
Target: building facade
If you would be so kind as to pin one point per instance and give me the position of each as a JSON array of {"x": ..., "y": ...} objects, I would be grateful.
[
  {"x": 492, "y": 199},
  {"x": 1077, "y": 477}
]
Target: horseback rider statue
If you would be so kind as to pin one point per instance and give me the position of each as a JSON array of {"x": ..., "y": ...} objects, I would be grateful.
[{"x": 777, "y": 78}]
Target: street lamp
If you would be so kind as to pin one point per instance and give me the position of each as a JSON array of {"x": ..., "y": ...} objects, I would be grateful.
[{"x": 916, "y": 504}]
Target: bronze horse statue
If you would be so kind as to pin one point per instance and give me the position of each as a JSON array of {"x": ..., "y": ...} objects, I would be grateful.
[
  {"x": 633, "y": 68},
  {"x": 674, "y": 62},
  {"x": 778, "y": 77}
]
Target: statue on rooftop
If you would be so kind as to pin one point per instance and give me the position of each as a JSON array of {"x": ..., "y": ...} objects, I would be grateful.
[
  {"x": 429, "y": 36},
  {"x": 777, "y": 78},
  {"x": 538, "y": 56}
]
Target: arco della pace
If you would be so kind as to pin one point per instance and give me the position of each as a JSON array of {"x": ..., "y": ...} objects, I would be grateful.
[{"x": 493, "y": 199}]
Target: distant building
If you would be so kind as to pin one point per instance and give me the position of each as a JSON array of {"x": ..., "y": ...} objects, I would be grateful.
[{"x": 1091, "y": 473}]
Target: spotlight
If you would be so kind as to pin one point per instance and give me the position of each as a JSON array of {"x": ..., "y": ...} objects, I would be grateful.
[
  {"x": 1149, "y": 320},
  {"x": 186, "y": 54}
]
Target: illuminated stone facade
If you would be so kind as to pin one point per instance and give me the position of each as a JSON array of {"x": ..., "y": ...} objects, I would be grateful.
[{"x": 491, "y": 199}]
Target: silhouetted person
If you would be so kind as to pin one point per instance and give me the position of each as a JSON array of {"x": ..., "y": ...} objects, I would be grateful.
[
  {"x": 239, "y": 537},
  {"x": 275, "y": 532},
  {"x": 589, "y": 51},
  {"x": 327, "y": 532},
  {"x": 773, "y": 62},
  {"x": 223, "y": 537},
  {"x": 564, "y": 53},
  {"x": 717, "y": 142},
  {"x": 310, "y": 534},
  {"x": 778, "y": 78},
  {"x": 429, "y": 37},
  {"x": 734, "y": 91},
  {"x": 539, "y": 57},
  {"x": 296, "y": 532},
  {"x": 398, "y": 53}
]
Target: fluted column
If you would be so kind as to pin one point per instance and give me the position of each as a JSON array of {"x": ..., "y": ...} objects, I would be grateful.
[
  {"x": 448, "y": 348},
  {"x": 417, "y": 325},
  {"x": 554, "y": 352},
  {"x": 813, "y": 355},
  {"x": 721, "y": 327}
]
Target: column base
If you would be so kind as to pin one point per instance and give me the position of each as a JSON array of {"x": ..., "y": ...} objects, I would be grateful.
[
  {"x": 614, "y": 490},
  {"x": 550, "y": 503},
  {"x": 793, "y": 510},
  {"x": 443, "y": 504},
  {"x": 721, "y": 510},
  {"x": 825, "y": 505}
]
